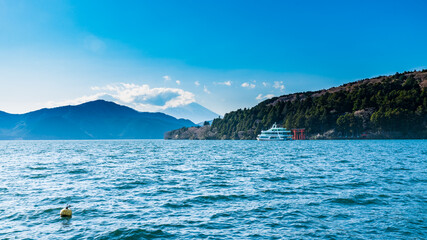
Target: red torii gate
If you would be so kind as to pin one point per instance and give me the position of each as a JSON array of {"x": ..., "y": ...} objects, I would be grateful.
[{"x": 298, "y": 133}]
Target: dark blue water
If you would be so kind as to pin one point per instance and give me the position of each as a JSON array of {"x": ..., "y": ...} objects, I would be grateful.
[{"x": 214, "y": 189}]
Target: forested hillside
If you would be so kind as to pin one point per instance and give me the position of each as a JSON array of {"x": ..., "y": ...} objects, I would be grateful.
[{"x": 383, "y": 107}]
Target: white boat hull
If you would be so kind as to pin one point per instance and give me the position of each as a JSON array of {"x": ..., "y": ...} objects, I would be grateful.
[{"x": 277, "y": 139}]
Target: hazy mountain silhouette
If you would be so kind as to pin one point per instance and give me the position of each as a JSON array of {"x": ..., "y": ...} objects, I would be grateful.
[
  {"x": 92, "y": 120},
  {"x": 193, "y": 111}
]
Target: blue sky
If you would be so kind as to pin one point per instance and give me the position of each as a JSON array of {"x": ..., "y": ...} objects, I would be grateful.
[{"x": 224, "y": 55}]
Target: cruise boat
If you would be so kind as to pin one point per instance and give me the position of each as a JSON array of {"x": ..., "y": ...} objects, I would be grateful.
[{"x": 275, "y": 134}]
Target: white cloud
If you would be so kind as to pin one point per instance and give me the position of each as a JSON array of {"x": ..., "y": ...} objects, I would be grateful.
[
  {"x": 139, "y": 97},
  {"x": 264, "y": 84},
  {"x": 167, "y": 78},
  {"x": 226, "y": 83},
  {"x": 205, "y": 89},
  {"x": 248, "y": 85},
  {"x": 178, "y": 82},
  {"x": 279, "y": 85},
  {"x": 197, "y": 83},
  {"x": 261, "y": 97}
]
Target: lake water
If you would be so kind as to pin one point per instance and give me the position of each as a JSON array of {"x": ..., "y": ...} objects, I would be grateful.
[{"x": 147, "y": 189}]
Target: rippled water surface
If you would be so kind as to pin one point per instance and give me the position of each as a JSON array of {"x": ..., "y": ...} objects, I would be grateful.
[{"x": 214, "y": 189}]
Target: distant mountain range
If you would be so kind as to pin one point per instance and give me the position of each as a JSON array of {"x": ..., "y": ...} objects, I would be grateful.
[
  {"x": 92, "y": 120},
  {"x": 193, "y": 111}
]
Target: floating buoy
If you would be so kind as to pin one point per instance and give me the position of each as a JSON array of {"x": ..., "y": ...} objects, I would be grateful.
[{"x": 66, "y": 212}]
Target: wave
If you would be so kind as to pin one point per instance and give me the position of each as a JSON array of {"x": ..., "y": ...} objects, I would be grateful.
[
  {"x": 134, "y": 233},
  {"x": 362, "y": 199}
]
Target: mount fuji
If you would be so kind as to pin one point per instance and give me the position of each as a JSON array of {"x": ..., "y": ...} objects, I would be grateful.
[{"x": 193, "y": 111}]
